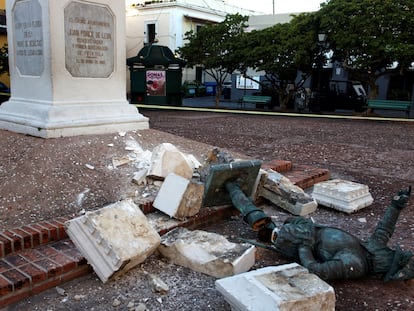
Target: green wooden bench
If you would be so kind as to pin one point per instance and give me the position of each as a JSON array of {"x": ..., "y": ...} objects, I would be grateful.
[
  {"x": 259, "y": 100},
  {"x": 400, "y": 105}
]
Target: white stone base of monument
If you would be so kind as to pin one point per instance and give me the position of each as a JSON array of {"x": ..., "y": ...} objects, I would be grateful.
[
  {"x": 49, "y": 120},
  {"x": 67, "y": 69},
  {"x": 342, "y": 195},
  {"x": 206, "y": 252},
  {"x": 113, "y": 239},
  {"x": 286, "y": 287}
]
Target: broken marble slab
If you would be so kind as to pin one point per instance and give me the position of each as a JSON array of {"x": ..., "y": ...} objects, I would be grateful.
[
  {"x": 140, "y": 177},
  {"x": 179, "y": 197},
  {"x": 119, "y": 161},
  {"x": 287, "y": 287},
  {"x": 279, "y": 190},
  {"x": 113, "y": 239},
  {"x": 342, "y": 195},
  {"x": 206, "y": 252},
  {"x": 166, "y": 159}
]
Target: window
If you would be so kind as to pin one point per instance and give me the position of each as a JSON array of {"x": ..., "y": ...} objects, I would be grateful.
[{"x": 150, "y": 33}]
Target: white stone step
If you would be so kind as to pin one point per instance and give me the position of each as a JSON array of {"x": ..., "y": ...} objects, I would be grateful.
[
  {"x": 342, "y": 195},
  {"x": 114, "y": 238},
  {"x": 287, "y": 287}
]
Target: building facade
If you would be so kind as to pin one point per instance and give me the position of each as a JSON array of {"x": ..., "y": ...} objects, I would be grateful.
[{"x": 165, "y": 22}]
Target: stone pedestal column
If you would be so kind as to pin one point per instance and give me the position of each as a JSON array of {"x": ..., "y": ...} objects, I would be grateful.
[{"x": 67, "y": 69}]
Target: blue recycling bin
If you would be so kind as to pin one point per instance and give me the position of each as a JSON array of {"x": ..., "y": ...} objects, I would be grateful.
[{"x": 211, "y": 88}]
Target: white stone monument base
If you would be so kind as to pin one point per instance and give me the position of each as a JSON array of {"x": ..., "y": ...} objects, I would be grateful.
[{"x": 48, "y": 120}]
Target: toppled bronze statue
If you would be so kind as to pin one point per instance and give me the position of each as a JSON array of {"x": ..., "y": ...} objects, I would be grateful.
[
  {"x": 329, "y": 252},
  {"x": 332, "y": 253}
]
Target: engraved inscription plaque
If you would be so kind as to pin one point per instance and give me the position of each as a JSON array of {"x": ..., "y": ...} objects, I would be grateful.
[
  {"x": 28, "y": 37},
  {"x": 89, "y": 40}
]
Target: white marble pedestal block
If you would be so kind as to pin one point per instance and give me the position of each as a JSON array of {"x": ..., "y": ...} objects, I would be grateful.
[
  {"x": 342, "y": 195},
  {"x": 207, "y": 252},
  {"x": 67, "y": 69},
  {"x": 287, "y": 287},
  {"x": 114, "y": 239}
]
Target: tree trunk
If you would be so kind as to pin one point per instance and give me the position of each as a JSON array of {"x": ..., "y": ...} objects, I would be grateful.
[
  {"x": 373, "y": 90},
  {"x": 218, "y": 95},
  {"x": 373, "y": 87}
]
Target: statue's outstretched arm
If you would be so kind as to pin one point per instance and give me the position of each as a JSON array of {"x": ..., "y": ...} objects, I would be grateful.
[{"x": 344, "y": 265}]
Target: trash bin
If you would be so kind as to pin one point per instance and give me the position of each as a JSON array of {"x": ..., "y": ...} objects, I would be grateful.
[
  {"x": 193, "y": 88},
  {"x": 201, "y": 90},
  {"x": 211, "y": 88},
  {"x": 189, "y": 88}
]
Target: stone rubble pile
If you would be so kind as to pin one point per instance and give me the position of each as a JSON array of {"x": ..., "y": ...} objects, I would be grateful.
[{"x": 118, "y": 237}]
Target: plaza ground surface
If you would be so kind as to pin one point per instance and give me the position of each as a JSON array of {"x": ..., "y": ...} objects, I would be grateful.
[{"x": 44, "y": 179}]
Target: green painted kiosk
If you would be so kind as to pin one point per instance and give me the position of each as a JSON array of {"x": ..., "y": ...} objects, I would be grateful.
[{"x": 156, "y": 76}]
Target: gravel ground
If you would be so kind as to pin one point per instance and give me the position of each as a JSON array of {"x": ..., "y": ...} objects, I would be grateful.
[{"x": 42, "y": 179}]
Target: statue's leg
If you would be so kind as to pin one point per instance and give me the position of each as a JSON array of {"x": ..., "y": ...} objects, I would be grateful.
[{"x": 252, "y": 215}]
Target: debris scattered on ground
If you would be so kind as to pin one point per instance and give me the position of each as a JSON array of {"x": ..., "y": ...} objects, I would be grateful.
[
  {"x": 157, "y": 284},
  {"x": 60, "y": 291}
]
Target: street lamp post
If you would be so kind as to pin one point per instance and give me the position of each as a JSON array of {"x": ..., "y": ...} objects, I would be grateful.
[{"x": 320, "y": 62}]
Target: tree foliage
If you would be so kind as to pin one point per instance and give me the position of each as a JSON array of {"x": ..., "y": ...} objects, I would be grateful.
[
  {"x": 215, "y": 48},
  {"x": 366, "y": 37},
  {"x": 369, "y": 36},
  {"x": 281, "y": 51},
  {"x": 4, "y": 59}
]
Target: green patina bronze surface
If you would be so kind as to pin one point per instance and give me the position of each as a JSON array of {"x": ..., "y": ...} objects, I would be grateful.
[
  {"x": 230, "y": 183},
  {"x": 243, "y": 172},
  {"x": 329, "y": 252},
  {"x": 332, "y": 253}
]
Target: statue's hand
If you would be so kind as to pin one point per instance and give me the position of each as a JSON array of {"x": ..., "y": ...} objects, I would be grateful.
[{"x": 401, "y": 199}]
